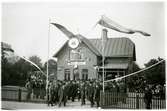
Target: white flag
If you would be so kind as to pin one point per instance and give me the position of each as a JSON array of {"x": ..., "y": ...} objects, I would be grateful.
[{"x": 108, "y": 23}]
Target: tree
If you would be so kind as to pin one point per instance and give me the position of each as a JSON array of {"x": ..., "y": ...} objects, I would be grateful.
[
  {"x": 5, "y": 65},
  {"x": 37, "y": 60},
  {"x": 18, "y": 72},
  {"x": 22, "y": 69},
  {"x": 51, "y": 64},
  {"x": 135, "y": 82},
  {"x": 52, "y": 67},
  {"x": 155, "y": 75}
]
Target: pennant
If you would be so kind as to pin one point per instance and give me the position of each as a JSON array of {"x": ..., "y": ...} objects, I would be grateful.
[
  {"x": 64, "y": 30},
  {"x": 108, "y": 23},
  {"x": 33, "y": 64}
]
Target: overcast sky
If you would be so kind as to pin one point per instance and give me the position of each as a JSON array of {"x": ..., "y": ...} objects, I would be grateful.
[{"x": 25, "y": 25}]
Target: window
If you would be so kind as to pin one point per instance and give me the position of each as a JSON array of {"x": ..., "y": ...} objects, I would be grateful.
[
  {"x": 67, "y": 74},
  {"x": 84, "y": 74},
  {"x": 76, "y": 54}
]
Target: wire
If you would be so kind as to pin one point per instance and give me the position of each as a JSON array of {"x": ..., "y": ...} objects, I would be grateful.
[{"x": 136, "y": 72}]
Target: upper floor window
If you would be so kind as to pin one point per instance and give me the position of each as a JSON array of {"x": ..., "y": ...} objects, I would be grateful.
[{"x": 76, "y": 54}]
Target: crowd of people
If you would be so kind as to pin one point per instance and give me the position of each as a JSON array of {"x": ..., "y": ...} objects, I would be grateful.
[
  {"x": 36, "y": 85},
  {"x": 60, "y": 92}
]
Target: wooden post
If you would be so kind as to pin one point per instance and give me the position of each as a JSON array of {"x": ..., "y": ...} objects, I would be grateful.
[
  {"x": 19, "y": 95},
  {"x": 137, "y": 101}
]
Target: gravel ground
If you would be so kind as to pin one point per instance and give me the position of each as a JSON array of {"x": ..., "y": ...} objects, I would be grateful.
[{"x": 27, "y": 105}]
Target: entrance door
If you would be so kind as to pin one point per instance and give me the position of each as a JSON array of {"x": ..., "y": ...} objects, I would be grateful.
[
  {"x": 75, "y": 74},
  {"x": 67, "y": 74},
  {"x": 84, "y": 74}
]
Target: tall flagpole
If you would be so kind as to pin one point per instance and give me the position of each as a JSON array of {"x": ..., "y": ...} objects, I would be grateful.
[
  {"x": 103, "y": 56},
  {"x": 47, "y": 80}
]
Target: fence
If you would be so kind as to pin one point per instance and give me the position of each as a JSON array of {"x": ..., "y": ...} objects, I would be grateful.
[
  {"x": 129, "y": 101},
  {"x": 114, "y": 100},
  {"x": 15, "y": 93}
]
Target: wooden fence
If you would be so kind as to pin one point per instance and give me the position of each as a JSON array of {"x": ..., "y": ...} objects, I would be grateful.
[
  {"x": 18, "y": 94},
  {"x": 113, "y": 100},
  {"x": 129, "y": 100}
]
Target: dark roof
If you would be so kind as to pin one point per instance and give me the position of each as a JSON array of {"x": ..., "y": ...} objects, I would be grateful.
[
  {"x": 86, "y": 42},
  {"x": 89, "y": 44},
  {"x": 116, "y": 47}
]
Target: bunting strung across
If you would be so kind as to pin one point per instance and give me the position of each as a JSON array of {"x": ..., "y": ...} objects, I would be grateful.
[
  {"x": 108, "y": 23},
  {"x": 134, "y": 73},
  {"x": 64, "y": 30},
  {"x": 33, "y": 64}
]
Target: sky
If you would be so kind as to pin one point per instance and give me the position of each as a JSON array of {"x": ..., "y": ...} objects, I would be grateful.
[{"x": 25, "y": 26}]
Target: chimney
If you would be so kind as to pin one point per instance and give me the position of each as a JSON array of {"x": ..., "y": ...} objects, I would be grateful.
[{"x": 104, "y": 34}]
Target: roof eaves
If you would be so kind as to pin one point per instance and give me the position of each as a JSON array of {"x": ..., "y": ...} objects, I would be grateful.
[
  {"x": 89, "y": 44},
  {"x": 55, "y": 55}
]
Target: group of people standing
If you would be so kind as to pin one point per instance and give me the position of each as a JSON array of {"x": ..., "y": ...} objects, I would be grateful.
[
  {"x": 36, "y": 87},
  {"x": 60, "y": 92}
]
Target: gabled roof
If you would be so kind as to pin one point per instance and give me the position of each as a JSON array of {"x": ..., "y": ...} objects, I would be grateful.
[
  {"x": 116, "y": 47},
  {"x": 86, "y": 42},
  {"x": 55, "y": 55},
  {"x": 113, "y": 47},
  {"x": 89, "y": 44}
]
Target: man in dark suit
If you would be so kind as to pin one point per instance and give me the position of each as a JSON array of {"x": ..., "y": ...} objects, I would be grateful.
[
  {"x": 83, "y": 92},
  {"x": 66, "y": 91},
  {"x": 148, "y": 97},
  {"x": 61, "y": 93},
  {"x": 91, "y": 93},
  {"x": 98, "y": 88}
]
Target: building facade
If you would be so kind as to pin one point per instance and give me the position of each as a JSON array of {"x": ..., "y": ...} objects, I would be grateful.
[{"x": 85, "y": 61}]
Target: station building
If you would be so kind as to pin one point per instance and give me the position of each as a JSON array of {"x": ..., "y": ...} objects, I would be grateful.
[{"x": 85, "y": 61}]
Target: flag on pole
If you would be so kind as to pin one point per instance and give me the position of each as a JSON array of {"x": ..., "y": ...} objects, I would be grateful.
[
  {"x": 108, "y": 23},
  {"x": 64, "y": 30}
]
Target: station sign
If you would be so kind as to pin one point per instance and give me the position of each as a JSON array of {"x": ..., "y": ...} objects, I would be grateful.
[
  {"x": 76, "y": 63},
  {"x": 73, "y": 43}
]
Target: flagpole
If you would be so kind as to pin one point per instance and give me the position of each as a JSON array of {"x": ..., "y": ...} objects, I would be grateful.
[
  {"x": 103, "y": 56},
  {"x": 47, "y": 81}
]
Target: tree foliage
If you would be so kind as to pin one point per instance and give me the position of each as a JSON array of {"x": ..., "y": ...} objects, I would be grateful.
[
  {"x": 155, "y": 75},
  {"x": 37, "y": 60},
  {"x": 51, "y": 64},
  {"x": 17, "y": 73},
  {"x": 135, "y": 82},
  {"x": 52, "y": 68}
]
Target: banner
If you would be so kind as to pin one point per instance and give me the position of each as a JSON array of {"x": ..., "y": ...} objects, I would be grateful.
[
  {"x": 64, "y": 30},
  {"x": 108, "y": 23}
]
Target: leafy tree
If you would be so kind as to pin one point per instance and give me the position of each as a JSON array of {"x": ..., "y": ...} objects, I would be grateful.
[
  {"x": 51, "y": 64},
  {"x": 52, "y": 67},
  {"x": 22, "y": 69},
  {"x": 5, "y": 65},
  {"x": 16, "y": 73},
  {"x": 135, "y": 82},
  {"x": 37, "y": 60},
  {"x": 155, "y": 75}
]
